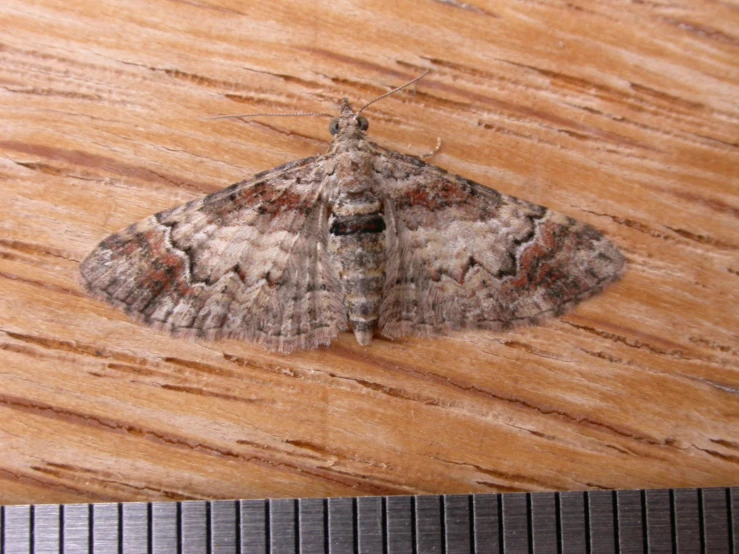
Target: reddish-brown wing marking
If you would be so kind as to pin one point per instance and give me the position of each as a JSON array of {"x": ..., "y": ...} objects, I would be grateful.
[
  {"x": 461, "y": 255},
  {"x": 242, "y": 263}
]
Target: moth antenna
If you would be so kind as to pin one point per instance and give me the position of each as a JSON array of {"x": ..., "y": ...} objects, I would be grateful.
[
  {"x": 409, "y": 83},
  {"x": 427, "y": 155},
  {"x": 297, "y": 114}
]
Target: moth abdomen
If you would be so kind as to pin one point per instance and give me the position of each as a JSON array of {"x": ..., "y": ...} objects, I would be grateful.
[
  {"x": 355, "y": 224},
  {"x": 356, "y": 245}
]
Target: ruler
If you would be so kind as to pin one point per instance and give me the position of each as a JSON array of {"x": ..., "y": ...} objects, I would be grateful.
[{"x": 674, "y": 521}]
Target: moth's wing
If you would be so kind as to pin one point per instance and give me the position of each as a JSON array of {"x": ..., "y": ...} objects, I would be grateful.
[
  {"x": 247, "y": 262},
  {"x": 461, "y": 255}
]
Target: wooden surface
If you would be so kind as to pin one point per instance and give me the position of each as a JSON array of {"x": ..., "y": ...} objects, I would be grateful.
[{"x": 620, "y": 114}]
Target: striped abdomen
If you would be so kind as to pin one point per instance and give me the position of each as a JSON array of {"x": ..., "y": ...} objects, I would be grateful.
[{"x": 356, "y": 245}]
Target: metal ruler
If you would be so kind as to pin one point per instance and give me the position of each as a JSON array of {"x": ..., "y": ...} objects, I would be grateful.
[{"x": 674, "y": 521}]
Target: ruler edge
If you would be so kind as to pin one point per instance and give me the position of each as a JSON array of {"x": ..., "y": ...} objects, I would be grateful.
[{"x": 429, "y": 495}]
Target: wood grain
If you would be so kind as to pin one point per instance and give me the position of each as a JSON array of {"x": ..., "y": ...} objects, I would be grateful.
[{"x": 621, "y": 114}]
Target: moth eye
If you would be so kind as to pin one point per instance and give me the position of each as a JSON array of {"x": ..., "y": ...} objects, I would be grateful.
[
  {"x": 333, "y": 127},
  {"x": 363, "y": 123}
]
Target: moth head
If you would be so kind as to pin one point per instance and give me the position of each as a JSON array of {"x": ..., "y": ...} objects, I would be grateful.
[{"x": 342, "y": 122}]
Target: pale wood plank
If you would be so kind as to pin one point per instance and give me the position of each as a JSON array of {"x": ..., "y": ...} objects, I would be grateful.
[{"x": 620, "y": 114}]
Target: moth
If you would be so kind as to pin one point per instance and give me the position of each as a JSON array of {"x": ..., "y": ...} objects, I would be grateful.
[{"x": 361, "y": 237}]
